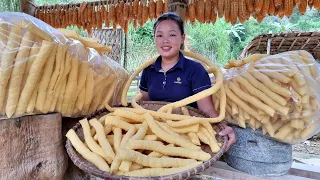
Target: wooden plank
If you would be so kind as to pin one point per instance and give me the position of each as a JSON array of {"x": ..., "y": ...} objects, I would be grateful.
[{"x": 228, "y": 174}]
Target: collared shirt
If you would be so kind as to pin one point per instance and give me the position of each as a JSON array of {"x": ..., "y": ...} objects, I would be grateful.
[{"x": 184, "y": 79}]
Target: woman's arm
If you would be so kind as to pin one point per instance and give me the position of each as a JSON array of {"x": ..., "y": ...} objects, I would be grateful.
[
  {"x": 206, "y": 105},
  {"x": 145, "y": 96}
]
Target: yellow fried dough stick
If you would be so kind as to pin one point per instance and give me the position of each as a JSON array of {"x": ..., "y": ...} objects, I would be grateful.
[
  {"x": 115, "y": 121},
  {"x": 167, "y": 137},
  {"x": 89, "y": 90},
  {"x": 81, "y": 80},
  {"x": 135, "y": 100},
  {"x": 241, "y": 103},
  {"x": 45, "y": 79},
  {"x": 7, "y": 60},
  {"x": 168, "y": 130},
  {"x": 117, "y": 139},
  {"x": 71, "y": 85},
  {"x": 85, "y": 152},
  {"x": 194, "y": 138},
  {"x": 93, "y": 146},
  {"x": 62, "y": 79},
  {"x": 150, "y": 172},
  {"x": 276, "y": 65},
  {"x": 266, "y": 80},
  {"x": 103, "y": 141},
  {"x": 283, "y": 131},
  {"x": 4, "y": 34},
  {"x": 58, "y": 70},
  {"x": 219, "y": 78},
  {"x": 131, "y": 155},
  {"x": 129, "y": 115},
  {"x": 254, "y": 82},
  {"x": 185, "y": 111},
  {"x": 256, "y": 92},
  {"x": 169, "y": 151},
  {"x": 126, "y": 165},
  {"x": 273, "y": 74},
  {"x": 33, "y": 77},
  {"x": 17, "y": 73},
  {"x": 307, "y": 58}
]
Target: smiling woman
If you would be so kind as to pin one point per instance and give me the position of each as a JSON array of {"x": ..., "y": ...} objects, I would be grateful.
[{"x": 173, "y": 77}]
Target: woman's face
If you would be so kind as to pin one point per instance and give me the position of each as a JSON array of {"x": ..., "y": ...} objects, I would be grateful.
[{"x": 168, "y": 39}]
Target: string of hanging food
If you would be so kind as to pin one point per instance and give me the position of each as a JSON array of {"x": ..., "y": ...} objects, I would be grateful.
[{"x": 113, "y": 13}]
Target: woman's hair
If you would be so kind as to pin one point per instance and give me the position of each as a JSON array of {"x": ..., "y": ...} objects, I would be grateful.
[{"x": 173, "y": 16}]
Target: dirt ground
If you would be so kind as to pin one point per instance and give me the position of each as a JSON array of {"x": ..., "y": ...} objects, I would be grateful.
[{"x": 311, "y": 146}]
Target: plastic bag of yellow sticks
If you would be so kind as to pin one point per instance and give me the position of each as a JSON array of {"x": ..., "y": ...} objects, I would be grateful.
[
  {"x": 45, "y": 70},
  {"x": 278, "y": 94}
]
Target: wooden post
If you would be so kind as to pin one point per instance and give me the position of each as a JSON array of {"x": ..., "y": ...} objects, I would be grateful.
[
  {"x": 32, "y": 147},
  {"x": 178, "y": 6},
  {"x": 28, "y": 6}
]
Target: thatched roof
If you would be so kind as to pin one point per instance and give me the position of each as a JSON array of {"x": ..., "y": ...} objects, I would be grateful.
[{"x": 277, "y": 43}]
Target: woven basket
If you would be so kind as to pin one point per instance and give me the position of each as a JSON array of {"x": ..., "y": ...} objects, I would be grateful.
[{"x": 88, "y": 167}]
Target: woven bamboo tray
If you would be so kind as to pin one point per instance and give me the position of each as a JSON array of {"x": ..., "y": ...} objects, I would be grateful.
[
  {"x": 282, "y": 42},
  {"x": 88, "y": 167}
]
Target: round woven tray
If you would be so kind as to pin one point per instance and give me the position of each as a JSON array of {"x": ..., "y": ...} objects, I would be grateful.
[{"x": 88, "y": 167}]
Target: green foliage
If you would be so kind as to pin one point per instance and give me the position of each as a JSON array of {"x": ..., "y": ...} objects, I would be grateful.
[{"x": 10, "y": 5}]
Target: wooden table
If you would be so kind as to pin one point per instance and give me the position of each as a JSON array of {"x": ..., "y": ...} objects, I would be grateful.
[{"x": 221, "y": 170}]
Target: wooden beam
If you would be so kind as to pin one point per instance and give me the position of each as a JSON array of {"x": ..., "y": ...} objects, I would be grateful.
[{"x": 28, "y": 6}]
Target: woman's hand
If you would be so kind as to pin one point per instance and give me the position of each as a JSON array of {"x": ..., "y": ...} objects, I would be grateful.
[{"x": 232, "y": 137}]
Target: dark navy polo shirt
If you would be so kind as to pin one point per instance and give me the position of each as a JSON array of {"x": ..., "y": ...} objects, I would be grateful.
[{"x": 184, "y": 79}]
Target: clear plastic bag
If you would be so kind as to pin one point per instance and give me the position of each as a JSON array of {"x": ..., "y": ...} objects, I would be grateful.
[
  {"x": 44, "y": 71},
  {"x": 278, "y": 94}
]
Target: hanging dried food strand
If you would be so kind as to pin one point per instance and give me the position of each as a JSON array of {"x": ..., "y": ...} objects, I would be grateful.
[
  {"x": 139, "y": 16},
  {"x": 258, "y": 5},
  {"x": 281, "y": 11},
  {"x": 277, "y": 3},
  {"x": 303, "y": 6},
  {"x": 159, "y": 8},
  {"x": 166, "y": 6},
  {"x": 98, "y": 16},
  {"x": 126, "y": 11},
  {"x": 213, "y": 17},
  {"x": 207, "y": 11},
  {"x": 52, "y": 21},
  {"x": 265, "y": 7},
  {"x": 272, "y": 8},
  {"x": 227, "y": 9},
  {"x": 221, "y": 8},
  {"x": 90, "y": 13},
  {"x": 102, "y": 12},
  {"x": 106, "y": 18},
  {"x": 135, "y": 8},
  {"x": 152, "y": 9},
  {"x": 200, "y": 11},
  {"x": 192, "y": 11},
  {"x": 94, "y": 17},
  {"x": 86, "y": 15},
  {"x": 130, "y": 16},
  {"x": 145, "y": 12},
  {"x": 234, "y": 12},
  {"x": 250, "y": 5},
  {"x": 288, "y": 7},
  {"x": 135, "y": 23},
  {"x": 75, "y": 15},
  {"x": 297, "y": 2},
  {"x": 126, "y": 27}
]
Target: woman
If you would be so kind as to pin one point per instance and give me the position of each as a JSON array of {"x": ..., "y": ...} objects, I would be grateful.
[{"x": 173, "y": 77}]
